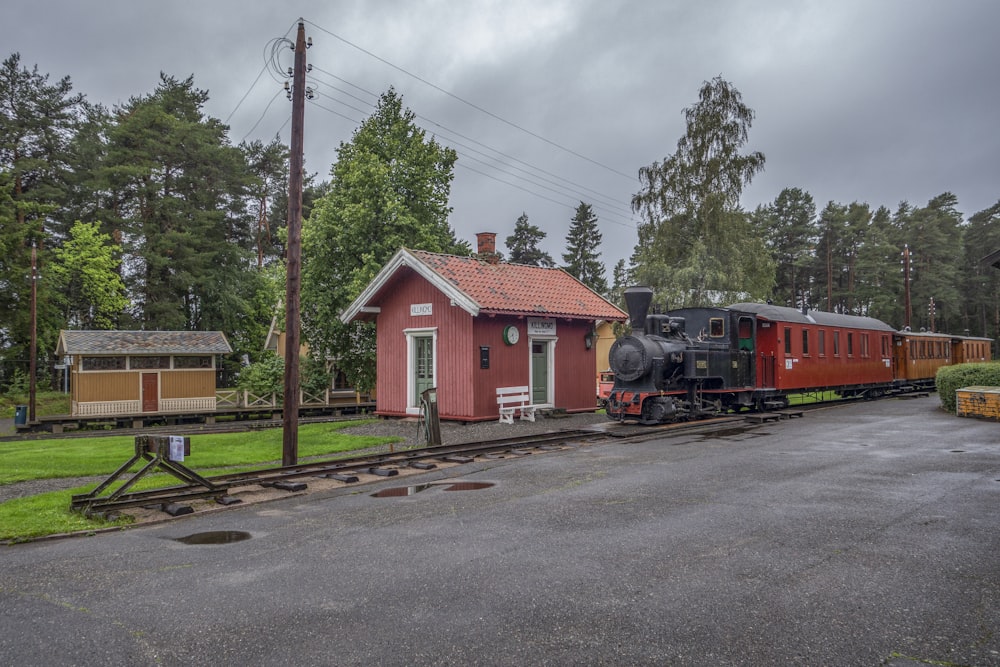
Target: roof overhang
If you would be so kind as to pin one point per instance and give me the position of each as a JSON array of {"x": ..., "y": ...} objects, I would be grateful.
[
  {"x": 362, "y": 308},
  {"x": 992, "y": 259}
]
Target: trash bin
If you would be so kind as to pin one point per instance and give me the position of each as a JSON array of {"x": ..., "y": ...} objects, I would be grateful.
[{"x": 20, "y": 415}]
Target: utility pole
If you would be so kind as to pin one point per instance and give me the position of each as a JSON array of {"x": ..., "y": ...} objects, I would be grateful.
[
  {"x": 33, "y": 353},
  {"x": 293, "y": 260},
  {"x": 906, "y": 286}
]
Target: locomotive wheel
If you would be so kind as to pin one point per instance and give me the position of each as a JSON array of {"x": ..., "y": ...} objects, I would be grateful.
[{"x": 656, "y": 411}]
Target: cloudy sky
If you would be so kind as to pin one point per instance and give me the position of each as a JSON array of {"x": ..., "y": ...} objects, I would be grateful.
[{"x": 553, "y": 102}]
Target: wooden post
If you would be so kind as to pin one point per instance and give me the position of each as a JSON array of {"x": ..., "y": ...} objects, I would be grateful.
[{"x": 290, "y": 410}]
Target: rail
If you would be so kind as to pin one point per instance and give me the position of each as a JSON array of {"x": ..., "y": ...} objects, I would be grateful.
[{"x": 344, "y": 469}]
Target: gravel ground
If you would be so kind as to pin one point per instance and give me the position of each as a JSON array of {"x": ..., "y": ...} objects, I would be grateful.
[
  {"x": 455, "y": 432},
  {"x": 408, "y": 429}
]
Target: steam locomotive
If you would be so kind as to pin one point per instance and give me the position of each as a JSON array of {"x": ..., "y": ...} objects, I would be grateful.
[{"x": 698, "y": 362}]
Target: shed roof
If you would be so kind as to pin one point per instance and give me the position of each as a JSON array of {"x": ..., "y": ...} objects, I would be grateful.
[
  {"x": 786, "y": 314},
  {"x": 478, "y": 285},
  {"x": 142, "y": 342}
]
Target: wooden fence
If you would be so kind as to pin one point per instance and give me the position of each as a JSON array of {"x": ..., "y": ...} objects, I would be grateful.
[{"x": 242, "y": 398}]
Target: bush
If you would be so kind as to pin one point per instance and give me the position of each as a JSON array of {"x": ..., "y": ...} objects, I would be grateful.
[
  {"x": 264, "y": 377},
  {"x": 951, "y": 378},
  {"x": 267, "y": 376}
]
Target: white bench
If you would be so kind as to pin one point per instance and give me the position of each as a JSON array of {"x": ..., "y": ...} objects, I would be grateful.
[{"x": 513, "y": 399}]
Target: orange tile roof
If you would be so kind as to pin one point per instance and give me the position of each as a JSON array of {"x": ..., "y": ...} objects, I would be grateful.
[{"x": 520, "y": 289}]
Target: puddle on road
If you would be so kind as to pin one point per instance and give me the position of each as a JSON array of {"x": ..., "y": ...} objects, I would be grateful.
[
  {"x": 215, "y": 537},
  {"x": 468, "y": 486},
  {"x": 398, "y": 491},
  {"x": 735, "y": 433}
]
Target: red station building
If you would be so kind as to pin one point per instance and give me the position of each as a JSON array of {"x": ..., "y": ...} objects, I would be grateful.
[{"x": 475, "y": 328}]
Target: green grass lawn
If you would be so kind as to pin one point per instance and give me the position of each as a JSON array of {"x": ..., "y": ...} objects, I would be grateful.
[
  {"x": 49, "y": 513},
  {"x": 46, "y": 403}
]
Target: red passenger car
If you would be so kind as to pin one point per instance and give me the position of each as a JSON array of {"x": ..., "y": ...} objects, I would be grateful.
[{"x": 811, "y": 350}]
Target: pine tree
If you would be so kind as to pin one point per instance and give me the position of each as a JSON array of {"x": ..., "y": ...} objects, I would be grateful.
[
  {"x": 522, "y": 245},
  {"x": 37, "y": 121},
  {"x": 788, "y": 227},
  {"x": 180, "y": 211},
  {"x": 269, "y": 166},
  {"x": 829, "y": 285},
  {"x": 879, "y": 286},
  {"x": 934, "y": 234},
  {"x": 583, "y": 255},
  {"x": 981, "y": 283}
]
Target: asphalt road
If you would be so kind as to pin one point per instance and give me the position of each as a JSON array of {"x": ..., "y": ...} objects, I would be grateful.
[{"x": 866, "y": 534}]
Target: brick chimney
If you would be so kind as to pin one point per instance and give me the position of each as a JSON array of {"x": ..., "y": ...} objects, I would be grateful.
[{"x": 487, "y": 243}]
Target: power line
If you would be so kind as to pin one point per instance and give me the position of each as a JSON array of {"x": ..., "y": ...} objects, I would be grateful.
[
  {"x": 576, "y": 188},
  {"x": 268, "y": 58},
  {"x": 471, "y": 104},
  {"x": 272, "y": 64},
  {"x": 465, "y": 153},
  {"x": 264, "y": 113}
]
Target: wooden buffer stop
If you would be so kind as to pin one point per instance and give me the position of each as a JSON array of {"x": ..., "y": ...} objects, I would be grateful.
[{"x": 164, "y": 453}]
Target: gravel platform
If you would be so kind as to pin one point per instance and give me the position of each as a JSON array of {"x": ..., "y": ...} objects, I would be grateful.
[{"x": 457, "y": 432}]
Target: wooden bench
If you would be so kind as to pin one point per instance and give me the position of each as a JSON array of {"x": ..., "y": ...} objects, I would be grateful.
[{"x": 514, "y": 399}]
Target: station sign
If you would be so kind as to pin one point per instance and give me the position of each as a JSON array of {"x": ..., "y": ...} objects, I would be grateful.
[
  {"x": 541, "y": 326},
  {"x": 420, "y": 309}
]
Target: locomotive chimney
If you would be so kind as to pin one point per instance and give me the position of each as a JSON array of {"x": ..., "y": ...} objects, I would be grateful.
[{"x": 637, "y": 300}]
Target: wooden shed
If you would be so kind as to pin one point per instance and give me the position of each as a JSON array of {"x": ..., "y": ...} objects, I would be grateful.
[
  {"x": 136, "y": 372},
  {"x": 471, "y": 327}
]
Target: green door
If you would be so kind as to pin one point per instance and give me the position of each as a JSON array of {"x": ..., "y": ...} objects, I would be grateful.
[
  {"x": 423, "y": 365},
  {"x": 539, "y": 372}
]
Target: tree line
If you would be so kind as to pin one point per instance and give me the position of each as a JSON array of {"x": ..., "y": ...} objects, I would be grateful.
[
  {"x": 697, "y": 246},
  {"x": 146, "y": 216}
]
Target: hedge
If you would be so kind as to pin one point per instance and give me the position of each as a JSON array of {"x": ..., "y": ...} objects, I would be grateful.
[{"x": 951, "y": 378}]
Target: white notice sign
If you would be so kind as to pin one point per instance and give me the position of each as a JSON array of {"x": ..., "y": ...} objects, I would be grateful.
[
  {"x": 176, "y": 448},
  {"x": 417, "y": 309}
]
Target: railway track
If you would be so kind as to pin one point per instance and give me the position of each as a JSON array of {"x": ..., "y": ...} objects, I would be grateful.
[
  {"x": 179, "y": 429},
  {"x": 371, "y": 467},
  {"x": 348, "y": 470}
]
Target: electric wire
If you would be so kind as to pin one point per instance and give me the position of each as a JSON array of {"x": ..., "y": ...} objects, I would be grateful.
[
  {"x": 267, "y": 59},
  {"x": 276, "y": 46},
  {"x": 264, "y": 113},
  {"x": 465, "y": 154},
  {"x": 576, "y": 188},
  {"x": 471, "y": 104}
]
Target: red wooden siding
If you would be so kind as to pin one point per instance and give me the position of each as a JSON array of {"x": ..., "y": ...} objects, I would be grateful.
[
  {"x": 575, "y": 365},
  {"x": 454, "y": 327},
  {"x": 465, "y": 390}
]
